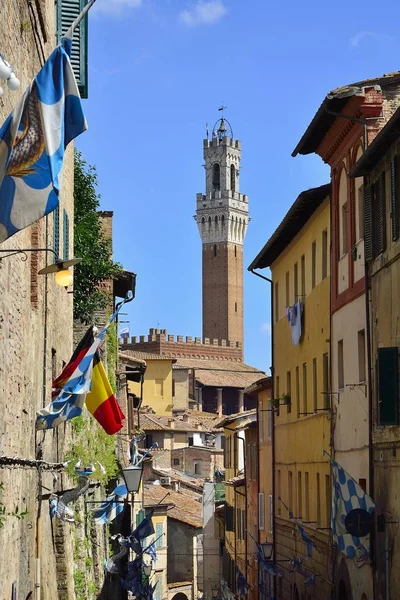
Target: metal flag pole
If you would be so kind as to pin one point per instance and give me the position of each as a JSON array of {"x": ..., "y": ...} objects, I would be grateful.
[{"x": 70, "y": 32}]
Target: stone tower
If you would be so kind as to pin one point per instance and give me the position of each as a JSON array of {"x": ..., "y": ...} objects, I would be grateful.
[{"x": 222, "y": 216}]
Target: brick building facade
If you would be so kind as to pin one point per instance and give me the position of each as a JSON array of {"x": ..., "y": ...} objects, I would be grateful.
[{"x": 36, "y": 340}]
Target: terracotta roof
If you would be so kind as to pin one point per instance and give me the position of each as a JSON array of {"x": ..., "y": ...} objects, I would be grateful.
[
  {"x": 221, "y": 373},
  {"x": 135, "y": 359},
  {"x": 185, "y": 508},
  {"x": 152, "y": 422},
  {"x": 146, "y": 355},
  {"x": 236, "y": 481},
  {"x": 335, "y": 101},
  {"x": 244, "y": 418},
  {"x": 193, "y": 481},
  {"x": 262, "y": 384},
  {"x": 297, "y": 216}
]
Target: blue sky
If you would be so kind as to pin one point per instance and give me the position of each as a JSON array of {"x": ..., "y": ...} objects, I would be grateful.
[{"x": 159, "y": 69}]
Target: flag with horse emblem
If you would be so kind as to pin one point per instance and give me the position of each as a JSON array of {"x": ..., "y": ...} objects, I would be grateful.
[{"x": 33, "y": 140}]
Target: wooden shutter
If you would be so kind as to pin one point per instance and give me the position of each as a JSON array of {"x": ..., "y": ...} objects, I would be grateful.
[
  {"x": 159, "y": 535},
  {"x": 67, "y": 11},
  {"x": 388, "y": 386},
  {"x": 261, "y": 511},
  {"x": 394, "y": 197},
  {"x": 380, "y": 215},
  {"x": 56, "y": 231},
  {"x": 66, "y": 235},
  {"x": 368, "y": 246},
  {"x": 229, "y": 518}
]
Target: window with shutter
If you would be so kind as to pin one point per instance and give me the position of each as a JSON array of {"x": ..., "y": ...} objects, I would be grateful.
[
  {"x": 229, "y": 518},
  {"x": 379, "y": 216},
  {"x": 368, "y": 249},
  {"x": 159, "y": 535},
  {"x": 56, "y": 231},
  {"x": 66, "y": 235},
  {"x": 388, "y": 386},
  {"x": 67, "y": 11},
  {"x": 261, "y": 511},
  {"x": 394, "y": 197},
  {"x": 271, "y": 514}
]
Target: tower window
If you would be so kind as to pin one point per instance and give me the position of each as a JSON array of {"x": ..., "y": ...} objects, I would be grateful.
[
  {"x": 235, "y": 306},
  {"x": 235, "y": 252},
  {"x": 215, "y": 249},
  {"x": 233, "y": 178},
  {"x": 216, "y": 177}
]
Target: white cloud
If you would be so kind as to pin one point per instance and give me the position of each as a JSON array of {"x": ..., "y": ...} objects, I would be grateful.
[
  {"x": 203, "y": 13},
  {"x": 266, "y": 328},
  {"x": 116, "y": 6},
  {"x": 362, "y": 35}
]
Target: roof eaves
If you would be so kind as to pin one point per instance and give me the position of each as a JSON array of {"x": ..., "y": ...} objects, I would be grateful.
[
  {"x": 378, "y": 148},
  {"x": 297, "y": 216},
  {"x": 334, "y": 102}
]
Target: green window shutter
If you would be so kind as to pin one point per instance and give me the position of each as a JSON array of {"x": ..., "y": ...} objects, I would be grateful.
[
  {"x": 368, "y": 247},
  {"x": 66, "y": 234},
  {"x": 379, "y": 213},
  {"x": 67, "y": 11},
  {"x": 56, "y": 231},
  {"x": 159, "y": 535},
  {"x": 139, "y": 517},
  {"x": 388, "y": 386},
  {"x": 394, "y": 197}
]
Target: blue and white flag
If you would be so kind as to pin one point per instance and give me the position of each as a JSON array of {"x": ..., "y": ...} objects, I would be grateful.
[
  {"x": 226, "y": 593},
  {"x": 151, "y": 551},
  {"x": 242, "y": 585},
  {"x": 145, "y": 528},
  {"x": 347, "y": 496},
  {"x": 72, "y": 388},
  {"x": 33, "y": 140},
  {"x": 112, "y": 507},
  {"x": 306, "y": 539}
]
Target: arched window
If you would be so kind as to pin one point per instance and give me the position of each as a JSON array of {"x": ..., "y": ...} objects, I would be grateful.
[
  {"x": 203, "y": 220},
  {"x": 233, "y": 178},
  {"x": 215, "y": 249},
  {"x": 235, "y": 252},
  {"x": 216, "y": 177}
]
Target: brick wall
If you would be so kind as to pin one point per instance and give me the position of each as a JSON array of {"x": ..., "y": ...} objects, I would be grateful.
[
  {"x": 223, "y": 291},
  {"x": 24, "y": 372}
]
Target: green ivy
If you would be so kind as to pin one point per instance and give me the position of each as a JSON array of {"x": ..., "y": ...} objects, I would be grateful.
[
  {"x": 90, "y": 444},
  {"x": 90, "y": 244}
]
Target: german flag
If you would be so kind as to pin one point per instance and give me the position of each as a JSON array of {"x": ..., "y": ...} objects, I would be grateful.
[
  {"x": 101, "y": 402},
  {"x": 80, "y": 352}
]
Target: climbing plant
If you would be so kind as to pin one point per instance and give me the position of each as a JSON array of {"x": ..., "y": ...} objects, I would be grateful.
[
  {"x": 90, "y": 244},
  {"x": 90, "y": 444}
]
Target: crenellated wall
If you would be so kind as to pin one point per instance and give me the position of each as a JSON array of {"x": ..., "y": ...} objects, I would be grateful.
[{"x": 159, "y": 342}]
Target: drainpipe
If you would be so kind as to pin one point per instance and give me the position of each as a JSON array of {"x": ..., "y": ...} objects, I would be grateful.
[{"x": 272, "y": 412}]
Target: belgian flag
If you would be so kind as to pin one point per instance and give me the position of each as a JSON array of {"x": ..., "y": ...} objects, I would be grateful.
[{"x": 101, "y": 402}]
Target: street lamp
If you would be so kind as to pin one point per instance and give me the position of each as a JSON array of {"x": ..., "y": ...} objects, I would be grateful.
[
  {"x": 215, "y": 592},
  {"x": 133, "y": 476},
  {"x": 267, "y": 549},
  {"x": 63, "y": 276},
  {"x": 147, "y": 569}
]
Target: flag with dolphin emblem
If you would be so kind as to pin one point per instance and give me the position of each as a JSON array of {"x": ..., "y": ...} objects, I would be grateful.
[
  {"x": 33, "y": 140},
  {"x": 112, "y": 507}
]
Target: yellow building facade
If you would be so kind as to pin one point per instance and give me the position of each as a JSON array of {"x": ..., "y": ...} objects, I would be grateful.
[
  {"x": 298, "y": 255},
  {"x": 157, "y": 384}
]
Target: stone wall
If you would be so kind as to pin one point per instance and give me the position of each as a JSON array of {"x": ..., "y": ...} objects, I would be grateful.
[{"x": 35, "y": 335}]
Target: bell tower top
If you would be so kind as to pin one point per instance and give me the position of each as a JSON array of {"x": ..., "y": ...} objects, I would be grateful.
[{"x": 222, "y": 213}]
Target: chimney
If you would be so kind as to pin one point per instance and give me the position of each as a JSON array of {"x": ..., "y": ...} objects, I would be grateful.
[
  {"x": 185, "y": 418},
  {"x": 171, "y": 423}
]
